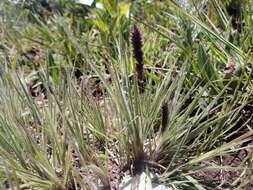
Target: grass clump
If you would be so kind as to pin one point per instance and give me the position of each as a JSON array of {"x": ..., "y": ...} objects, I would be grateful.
[{"x": 87, "y": 99}]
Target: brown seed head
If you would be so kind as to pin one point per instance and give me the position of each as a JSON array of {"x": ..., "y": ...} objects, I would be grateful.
[
  {"x": 165, "y": 115},
  {"x": 136, "y": 41}
]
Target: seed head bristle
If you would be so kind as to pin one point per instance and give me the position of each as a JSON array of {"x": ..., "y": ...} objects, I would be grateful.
[
  {"x": 165, "y": 116},
  {"x": 136, "y": 41}
]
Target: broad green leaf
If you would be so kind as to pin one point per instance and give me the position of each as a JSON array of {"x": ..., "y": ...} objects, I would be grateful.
[
  {"x": 102, "y": 26},
  {"x": 124, "y": 9},
  {"x": 53, "y": 68}
]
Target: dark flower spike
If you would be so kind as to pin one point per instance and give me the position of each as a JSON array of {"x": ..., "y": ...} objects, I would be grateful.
[
  {"x": 137, "y": 44},
  {"x": 165, "y": 116}
]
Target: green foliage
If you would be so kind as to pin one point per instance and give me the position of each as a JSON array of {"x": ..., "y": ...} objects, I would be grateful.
[
  {"x": 112, "y": 20},
  {"x": 89, "y": 111}
]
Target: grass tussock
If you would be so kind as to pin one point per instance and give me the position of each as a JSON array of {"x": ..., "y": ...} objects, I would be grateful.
[{"x": 91, "y": 96}]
